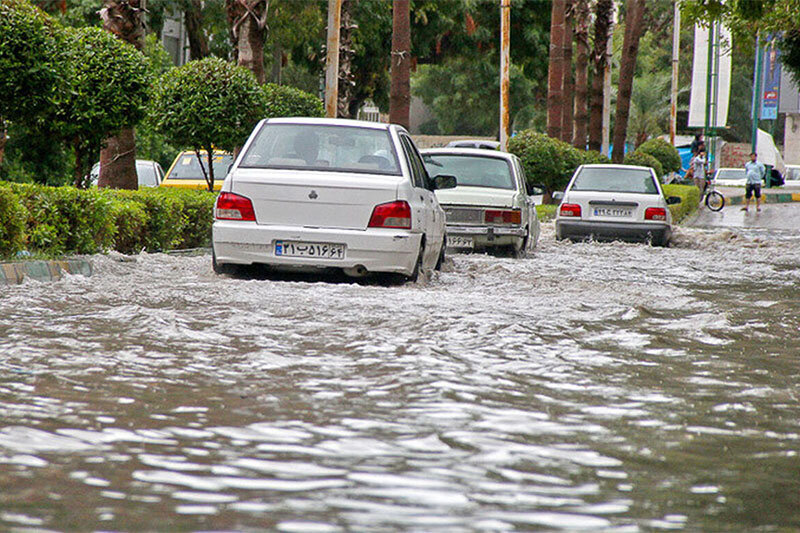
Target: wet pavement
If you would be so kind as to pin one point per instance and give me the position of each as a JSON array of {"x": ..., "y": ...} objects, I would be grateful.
[{"x": 600, "y": 387}]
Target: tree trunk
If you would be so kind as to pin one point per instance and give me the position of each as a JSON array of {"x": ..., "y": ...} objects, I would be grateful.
[
  {"x": 344, "y": 103},
  {"x": 400, "y": 96},
  {"x": 248, "y": 19},
  {"x": 198, "y": 42},
  {"x": 555, "y": 73},
  {"x": 627, "y": 65},
  {"x": 581, "y": 73},
  {"x": 568, "y": 88},
  {"x": 126, "y": 20},
  {"x": 277, "y": 63},
  {"x": 602, "y": 24}
]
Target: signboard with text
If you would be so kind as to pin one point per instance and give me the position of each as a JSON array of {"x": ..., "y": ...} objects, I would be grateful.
[{"x": 771, "y": 84}]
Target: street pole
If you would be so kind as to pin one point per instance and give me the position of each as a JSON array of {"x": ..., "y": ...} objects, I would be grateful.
[
  {"x": 505, "y": 44},
  {"x": 673, "y": 100},
  {"x": 332, "y": 58},
  {"x": 756, "y": 92}
]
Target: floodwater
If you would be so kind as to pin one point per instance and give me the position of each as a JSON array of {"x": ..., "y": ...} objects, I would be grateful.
[{"x": 599, "y": 387}]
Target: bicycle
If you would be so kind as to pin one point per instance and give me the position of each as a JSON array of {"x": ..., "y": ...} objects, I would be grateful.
[{"x": 713, "y": 199}]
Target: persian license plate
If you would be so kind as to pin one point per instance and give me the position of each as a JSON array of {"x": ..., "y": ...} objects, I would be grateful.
[
  {"x": 618, "y": 212},
  {"x": 323, "y": 250},
  {"x": 455, "y": 241}
]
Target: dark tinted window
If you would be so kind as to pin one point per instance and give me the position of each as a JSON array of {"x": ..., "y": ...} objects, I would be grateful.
[
  {"x": 615, "y": 180},
  {"x": 414, "y": 162},
  {"x": 316, "y": 147}
]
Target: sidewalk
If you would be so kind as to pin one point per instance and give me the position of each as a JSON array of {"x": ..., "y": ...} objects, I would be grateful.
[{"x": 15, "y": 272}]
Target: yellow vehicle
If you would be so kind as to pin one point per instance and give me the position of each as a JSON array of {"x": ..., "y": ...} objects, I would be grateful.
[{"x": 185, "y": 171}]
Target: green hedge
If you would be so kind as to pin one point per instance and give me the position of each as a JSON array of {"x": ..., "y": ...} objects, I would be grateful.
[
  {"x": 666, "y": 154},
  {"x": 643, "y": 159},
  {"x": 53, "y": 221},
  {"x": 690, "y": 198}
]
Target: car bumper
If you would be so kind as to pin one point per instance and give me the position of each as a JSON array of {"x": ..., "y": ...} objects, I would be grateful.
[
  {"x": 486, "y": 236},
  {"x": 378, "y": 250},
  {"x": 613, "y": 231}
]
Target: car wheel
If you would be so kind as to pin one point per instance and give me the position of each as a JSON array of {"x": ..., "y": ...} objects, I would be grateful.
[
  {"x": 440, "y": 261},
  {"x": 522, "y": 251},
  {"x": 221, "y": 268},
  {"x": 418, "y": 267}
]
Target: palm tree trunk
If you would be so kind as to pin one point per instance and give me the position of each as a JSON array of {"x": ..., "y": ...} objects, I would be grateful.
[
  {"x": 126, "y": 20},
  {"x": 400, "y": 97},
  {"x": 602, "y": 24},
  {"x": 345, "y": 105},
  {"x": 568, "y": 87},
  {"x": 198, "y": 42},
  {"x": 630, "y": 49},
  {"x": 581, "y": 73},
  {"x": 555, "y": 73}
]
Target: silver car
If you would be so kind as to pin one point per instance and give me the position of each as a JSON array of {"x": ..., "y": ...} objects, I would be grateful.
[{"x": 491, "y": 208}]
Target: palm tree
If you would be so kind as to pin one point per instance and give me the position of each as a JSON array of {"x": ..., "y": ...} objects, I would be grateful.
[
  {"x": 604, "y": 11},
  {"x": 555, "y": 74},
  {"x": 627, "y": 65}
]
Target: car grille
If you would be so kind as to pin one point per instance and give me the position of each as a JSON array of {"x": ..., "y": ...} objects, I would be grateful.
[{"x": 463, "y": 215}]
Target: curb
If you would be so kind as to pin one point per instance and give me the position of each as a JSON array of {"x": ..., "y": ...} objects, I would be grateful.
[
  {"x": 767, "y": 198},
  {"x": 14, "y": 273}
]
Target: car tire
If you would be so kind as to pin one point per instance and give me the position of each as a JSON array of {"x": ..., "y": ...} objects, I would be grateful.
[
  {"x": 418, "y": 267},
  {"x": 440, "y": 261},
  {"x": 221, "y": 268},
  {"x": 522, "y": 251}
]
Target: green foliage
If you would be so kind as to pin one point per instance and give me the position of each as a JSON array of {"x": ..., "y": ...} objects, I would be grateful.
[
  {"x": 29, "y": 66},
  {"x": 690, "y": 198},
  {"x": 666, "y": 154},
  {"x": 644, "y": 160},
  {"x": 12, "y": 222},
  {"x": 591, "y": 157},
  {"x": 54, "y": 221},
  {"x": 547, "y": 161},
  {"x": 35, "y": 155},
  {"x": 283, "y": 101}
]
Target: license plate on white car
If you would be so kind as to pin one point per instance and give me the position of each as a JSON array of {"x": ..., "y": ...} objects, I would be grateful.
[
  {"x": 323, "y": 250},
  {"x": 454, "y": 241},
  {"x": 617, "y": 212}
]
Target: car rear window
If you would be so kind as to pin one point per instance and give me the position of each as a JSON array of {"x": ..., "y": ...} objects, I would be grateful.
[
  {"x": 615, "y": 180},
  {"x": 472, "y": 170},
  {"x": 187, "y": 167},
  {"x": 731, "y": 174},
  {"x": 316, "y": 147}
]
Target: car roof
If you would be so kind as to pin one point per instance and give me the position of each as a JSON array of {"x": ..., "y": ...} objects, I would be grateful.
[
  {"x": 482, "y": 152},
  {"x": 614, "y": 166},
  {"x": 330, "y": 122}
]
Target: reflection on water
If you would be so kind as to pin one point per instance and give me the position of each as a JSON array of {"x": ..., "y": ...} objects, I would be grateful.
[{"x": 592, "y": 386}]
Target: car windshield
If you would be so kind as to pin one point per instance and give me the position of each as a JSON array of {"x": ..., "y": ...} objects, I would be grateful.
[
  {"x": 615, "y": 179},
  {"x": 187, "y": 167},
  {"x": 472, "y": 170},
  {"x": 147, "y": 174},
  {"x": 731, "y": 174},
  {"x": 317, "y": 147}
]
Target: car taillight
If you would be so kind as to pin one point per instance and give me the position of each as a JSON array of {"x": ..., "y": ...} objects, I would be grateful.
[
  {"x": 232, "y": 206},
  {"x": 570, "y": 210},
  {"x": 391, "y": 215},
  {"x": 502, "y": 216},
  {"x": 655, "y": 213}
]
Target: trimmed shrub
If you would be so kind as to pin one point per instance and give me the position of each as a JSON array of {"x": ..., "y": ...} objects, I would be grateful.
[
  {"x": 591, "y": 157},
  {"x": 666, "y": 154},
  {"x": 55, "y": 221},
  {"x": 12, "y": 222},
  {"x": 644, "y": 160},
  {"x": 285, "y": 101},
  {"x": 547, "y": 161},
  {"x": 690, "y": 198}
]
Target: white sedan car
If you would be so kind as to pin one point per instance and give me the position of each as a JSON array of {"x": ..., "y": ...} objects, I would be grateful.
[
  {"x": 491, "y": 207},
  {"x": 327, "y": 193},
  {"x": 615, "y": 202}
]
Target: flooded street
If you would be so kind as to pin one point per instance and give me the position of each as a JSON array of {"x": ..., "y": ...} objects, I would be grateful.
[{"x": 612, "y": 387}]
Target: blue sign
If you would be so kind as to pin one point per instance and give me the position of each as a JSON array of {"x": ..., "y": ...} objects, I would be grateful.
[{"x": 771, "y": 83}]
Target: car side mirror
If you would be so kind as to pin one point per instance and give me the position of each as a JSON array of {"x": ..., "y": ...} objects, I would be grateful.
[
  {"x": 558, "y": 196},
  {"x": 672, "y": 200},
  {"x": 444, "y": 181},
  {"x": 534, "y": 189}
]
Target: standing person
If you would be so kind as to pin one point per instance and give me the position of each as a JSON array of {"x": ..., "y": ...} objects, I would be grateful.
[
  {"x": 699, "y": 170},
  {"x": 755, "y": 171},
  {"x": 696, "y": 144}
]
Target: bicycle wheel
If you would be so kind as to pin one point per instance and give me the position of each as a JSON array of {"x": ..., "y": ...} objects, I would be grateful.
[{"x": 715, "y": 201}]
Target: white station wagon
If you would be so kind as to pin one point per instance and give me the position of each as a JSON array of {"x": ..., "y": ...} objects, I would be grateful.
[
  {"x": 490, "y": 208},
  {"x": 615, "y": 202},
  {"x": 328, "y": 193}
]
